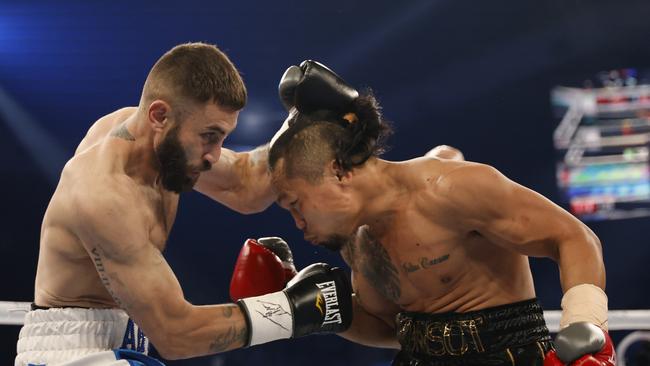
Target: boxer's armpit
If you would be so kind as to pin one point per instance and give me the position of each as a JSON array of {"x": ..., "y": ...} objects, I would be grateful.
[
  {"x": 225, "y": 340},
  {"x": 123, "y": 133}
]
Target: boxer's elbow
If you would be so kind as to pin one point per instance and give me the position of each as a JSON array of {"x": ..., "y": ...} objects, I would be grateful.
[
  {"x": 174, "y": 346},
  {"x": 170, "y": 352},
  {"x": 174, "y": 338},
  {"x": 166, "y": 347}
]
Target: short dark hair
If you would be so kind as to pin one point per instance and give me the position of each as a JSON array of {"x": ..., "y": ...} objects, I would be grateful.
[
  {"x": 314, "y": 139},
  {"x": 198, "y": 72}
]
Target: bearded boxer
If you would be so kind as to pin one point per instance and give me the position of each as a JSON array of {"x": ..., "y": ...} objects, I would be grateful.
[
  {"x": 438, "y": 248},
  {"x": 102, "y": 282}
]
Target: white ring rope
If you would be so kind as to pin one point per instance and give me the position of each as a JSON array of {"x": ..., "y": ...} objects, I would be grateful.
[
  {"x": 625, "y": 343},
  {"x": 13, "y": 313}
]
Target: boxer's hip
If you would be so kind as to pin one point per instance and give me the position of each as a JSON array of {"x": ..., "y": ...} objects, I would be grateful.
[
  {"x": 59, "y": 335},
  {"x": 499, "y": 335}
]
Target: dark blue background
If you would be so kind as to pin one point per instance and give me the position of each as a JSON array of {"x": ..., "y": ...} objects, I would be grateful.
[{"x": 472, "y": 74}]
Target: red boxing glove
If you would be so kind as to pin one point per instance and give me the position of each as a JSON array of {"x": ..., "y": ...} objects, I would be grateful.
[
  {"x": 582, "y": 344},
  {"x": 258, "y": 271}
]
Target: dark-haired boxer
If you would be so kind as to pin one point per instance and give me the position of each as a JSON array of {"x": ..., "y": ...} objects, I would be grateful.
[
  {"x": 102, "y": 282},
  {"x": 438, "y": 248}
]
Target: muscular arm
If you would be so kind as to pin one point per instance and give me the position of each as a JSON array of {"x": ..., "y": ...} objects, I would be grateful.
[
  {"x": 240, "y": 181},
  {"x": 371, "y": 329},
  {"x": 134, "y": 272},
  {"x": 515, "y": 217}
]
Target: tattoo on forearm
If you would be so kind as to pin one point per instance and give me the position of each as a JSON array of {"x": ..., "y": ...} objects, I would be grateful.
[
  {"x": 105, "y": 278},
  {"x": 227, "y": 310},
  {"x": 424, "y": 263},
  {"x": 123, "y": 133},
  {"x": 377, "y": 268},
  {"x": 225, "y": 340}
]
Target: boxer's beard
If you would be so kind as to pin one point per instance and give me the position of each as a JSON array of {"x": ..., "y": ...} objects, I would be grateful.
[
  {"x": 173, "y": 164},
  {"x": 334, "y": 242}
]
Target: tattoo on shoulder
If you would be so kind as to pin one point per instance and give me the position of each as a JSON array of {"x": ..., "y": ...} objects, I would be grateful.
[
  {"x": 104, "y": 276},
  {"x": 423, "y": 263},
  {"x": 378, "y": 268},
  {"x": 228, "y": 338},
  {"x": 123, "y": 133}
]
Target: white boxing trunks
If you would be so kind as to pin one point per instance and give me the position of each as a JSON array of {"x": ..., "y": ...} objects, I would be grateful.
[{"x": 76, "y": 337}]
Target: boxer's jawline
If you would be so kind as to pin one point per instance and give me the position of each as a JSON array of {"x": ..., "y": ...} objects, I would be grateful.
[
  {"x": 225, "y": 339},
  {"x": 104, "y": 277},
  {"x": 424, "y": 263},
  {"x": 378, "y": 269},
  {"x": 123, "y": 133}
]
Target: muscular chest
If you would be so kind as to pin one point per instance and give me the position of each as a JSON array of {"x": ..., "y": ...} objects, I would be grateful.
[
  {"x": 162, "y": 213},
  {"x": 410, "y": 259}
]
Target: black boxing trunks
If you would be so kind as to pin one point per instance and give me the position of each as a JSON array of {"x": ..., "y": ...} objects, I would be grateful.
[{"x": 512, "y": 334}]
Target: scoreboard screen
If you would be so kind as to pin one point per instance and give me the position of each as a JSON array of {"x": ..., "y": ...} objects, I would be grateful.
[{"x": 603, "y": 143}]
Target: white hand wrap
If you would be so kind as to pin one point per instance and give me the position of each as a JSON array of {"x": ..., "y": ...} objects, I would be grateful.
[
  {"x": 270, "y": 317},
  {"x": 584, "y": 303}
]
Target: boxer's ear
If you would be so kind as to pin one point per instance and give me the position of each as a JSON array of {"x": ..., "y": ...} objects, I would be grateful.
[
  {"x": 158, "y": 114},
  {"x": 337, "y": 171}
]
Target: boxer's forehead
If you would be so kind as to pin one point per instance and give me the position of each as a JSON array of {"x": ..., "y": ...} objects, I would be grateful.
[{"x": 216, "y": 116}]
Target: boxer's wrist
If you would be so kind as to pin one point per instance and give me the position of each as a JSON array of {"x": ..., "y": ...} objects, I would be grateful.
[
  {"x": 584, "y": 303},
  {"x": 269, "y": 317},
  {"x": 317, "y": 300}
]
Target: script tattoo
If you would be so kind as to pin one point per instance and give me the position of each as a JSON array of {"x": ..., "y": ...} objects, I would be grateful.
[
  {"x": 377, "y": 267},
  {"x": 105, "y": 277},
  {"x": 226, "y": 339},
  {"x": 424, "y": 263},
  {"x": 122, "y": 133}
]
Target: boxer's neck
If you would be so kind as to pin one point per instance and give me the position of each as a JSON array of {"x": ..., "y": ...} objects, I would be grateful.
[
  {"x": 141, "y": 162},
  {"x": 379, "y": 191}
]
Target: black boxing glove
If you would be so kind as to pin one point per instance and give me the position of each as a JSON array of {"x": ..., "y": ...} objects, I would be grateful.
[
  {"x": 280, "y": 248},
  {"x": 317, "y": 300},
  {"x": 312, "y": 86}
]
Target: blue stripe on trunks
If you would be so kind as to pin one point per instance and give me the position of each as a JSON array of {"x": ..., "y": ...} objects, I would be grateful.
[{"x": 136, "y": 358}]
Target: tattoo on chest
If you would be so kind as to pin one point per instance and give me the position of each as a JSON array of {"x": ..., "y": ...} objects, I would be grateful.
[
  {"x": 423, "y": 263},
  {"x": 377, "y": 267},
  {"x": 122, "y": 133}
]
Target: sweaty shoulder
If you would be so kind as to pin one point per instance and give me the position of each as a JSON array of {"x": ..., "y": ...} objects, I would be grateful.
[
  {"x": 455, "y": 174},
  {"x": 103, "y": 126},
  {"x": 427, "y": 172},
  {"x": 449, "y": 185}
]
